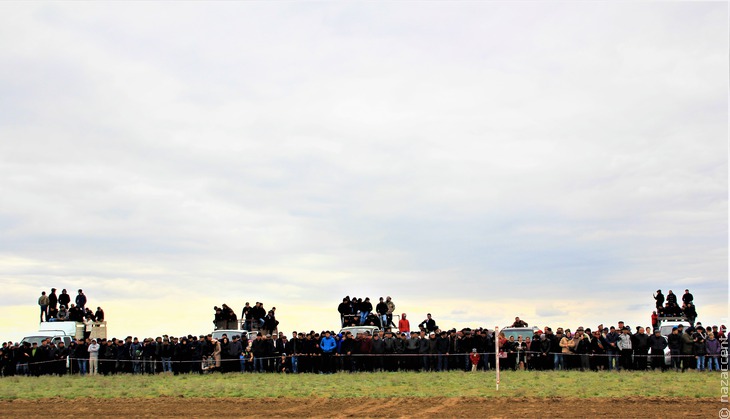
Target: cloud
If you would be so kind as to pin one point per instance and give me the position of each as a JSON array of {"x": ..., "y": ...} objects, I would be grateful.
[{"x": 453, "y": 157}]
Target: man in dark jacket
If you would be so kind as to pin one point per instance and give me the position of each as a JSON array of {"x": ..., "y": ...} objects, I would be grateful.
[
  {"x": 442, "y": 349},
  {"x": 429, "y": 325},
  {"x": 81, "y": 300},
  {"x": 657, "y": 343},
  {"x": 53, "y": 300},
  {"x": 687, "y": 297},
  {"x": 345, "y": 309},
  {"x": 640, "y": 343},
  {"x": 687, "y": 349},
  {"x": 64, "y": 299},
  {"x": 382, "y": 310},
  {"x": 674, "y": 341},
  {"x": 659, "y": 297}
]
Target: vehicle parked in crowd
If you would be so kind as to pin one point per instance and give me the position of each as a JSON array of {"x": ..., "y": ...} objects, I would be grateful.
[
  {"x": 57, "y": 331},
  {"x": 244, "y": 335},
  {"x": 525, "y": 332},
  {"x": 360, "y": 329}
]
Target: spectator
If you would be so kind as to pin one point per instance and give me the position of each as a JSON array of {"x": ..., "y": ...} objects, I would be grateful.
[
  {"x": 404, "y": 326},
  {"x": 270, "y": 323},
  {"x": 99, "y": 315},
  {"x": 246, "y": 316},
  {"x": 519, "y": 323},
  {"x": 691, "y": 313},
  {"x": 345, "y": 309},
  {"x": 43, "y": 302},
  {"x": 659, "y": 297},
  {"x": 81, "y": 300},
  {"x": 391, "y": 309},
  {"x": 521, "y": 349},
  {"x": 474, "y": 357},
  {"x": 64, "y": 299},
  {"x": 699, "y": 347},
  {"x": 671, "y": 297},
  {"x": 429, "y": 324},
  {"x": 365, "y": 308},
  {"x": 625, "y": 347},
  {"x": 654, "y": 320},
  {"x": 657, "y": 343},
  {"x": 687, "y": 297},
  {"x": 674, "y": 341},
  {"x": 382, "y": 310},
  {"x": 713, "y": 349},
  {"x": 53, "y": 300},
  {"x": 62, "y": 315},
  {"x": 687, "y": 347},
  {"x": 640, "y": 343},
  {"x": 94, "y": 357}
]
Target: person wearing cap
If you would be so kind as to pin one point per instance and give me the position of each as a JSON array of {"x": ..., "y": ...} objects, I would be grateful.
[
  {"x": 657, "y": 344},
  {"x": 674, "y": 341},
  {"x": 258, "y": 351},
  {"x": 687, "y": 347},
  {"x": 641, "y": 345},
  {"x": 713, "y": 348},
  {"x": 687, "y": 297},
  {"x": 94, "y": 357},
  {"x": 625, "y": 348},
  {"x": 700, "y": 349}
]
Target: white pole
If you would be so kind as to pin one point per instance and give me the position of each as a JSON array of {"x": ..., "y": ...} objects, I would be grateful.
[{"x": 496, "y": 352}]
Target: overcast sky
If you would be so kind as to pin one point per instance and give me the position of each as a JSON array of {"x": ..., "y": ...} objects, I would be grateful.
[{"x": 479, "y": 161}]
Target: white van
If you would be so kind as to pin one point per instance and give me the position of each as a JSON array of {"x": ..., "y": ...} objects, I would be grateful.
[{"x": 57, "y": 332}]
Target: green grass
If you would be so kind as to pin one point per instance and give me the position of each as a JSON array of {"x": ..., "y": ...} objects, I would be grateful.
[{"x": 401, "y": 384}]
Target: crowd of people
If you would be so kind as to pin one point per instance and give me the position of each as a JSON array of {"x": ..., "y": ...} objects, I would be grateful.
[
  {"x": 669, "y": 307},
  {"x": 392, "y": 348},
  {"x": 612, "y": 348},
  {"x": 359, "y": 312},
  {"x": 254, "y": 318},
  {"x": 58, "y": 308}
]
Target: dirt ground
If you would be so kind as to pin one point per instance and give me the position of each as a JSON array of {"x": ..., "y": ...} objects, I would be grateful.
[{"x": 366, "y": 407}]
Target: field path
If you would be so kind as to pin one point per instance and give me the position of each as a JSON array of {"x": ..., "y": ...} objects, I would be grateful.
[{"x": 458, "y": 407}]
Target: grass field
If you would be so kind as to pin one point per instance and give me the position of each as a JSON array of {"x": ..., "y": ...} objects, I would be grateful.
[{"x": 369, "y": 385}]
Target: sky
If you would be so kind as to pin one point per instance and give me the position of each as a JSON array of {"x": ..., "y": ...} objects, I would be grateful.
[{"x": 557, "y": 161}]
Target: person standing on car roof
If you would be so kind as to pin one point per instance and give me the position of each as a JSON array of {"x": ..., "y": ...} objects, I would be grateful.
[
  {"x": 391, "y": 309},
  {"x": 382, "y": 310},
  {"x": 659, "y": 297},
  {"x": 687, "y": 297}
]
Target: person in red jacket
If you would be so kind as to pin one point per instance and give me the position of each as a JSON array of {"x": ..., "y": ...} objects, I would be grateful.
[
  {"x": 404, "y": 326},
  {"x": 474, "y": 357},
  {"x": 654, "y": 320}
]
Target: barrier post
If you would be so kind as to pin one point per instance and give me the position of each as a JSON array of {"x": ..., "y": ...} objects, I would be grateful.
[{"x": 496, "y": 353}]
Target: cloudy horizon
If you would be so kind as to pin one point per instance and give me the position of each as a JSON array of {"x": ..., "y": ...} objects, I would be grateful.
[{"x": 479, "y": 161}]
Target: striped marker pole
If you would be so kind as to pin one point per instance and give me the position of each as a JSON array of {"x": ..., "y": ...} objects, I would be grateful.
[{"x": 496, "y": 353}]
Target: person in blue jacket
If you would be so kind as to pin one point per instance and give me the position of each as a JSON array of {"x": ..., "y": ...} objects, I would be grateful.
[{"x": 328, "y": 345}]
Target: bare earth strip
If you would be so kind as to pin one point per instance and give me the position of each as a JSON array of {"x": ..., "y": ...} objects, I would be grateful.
[{"x": 460, "y": 407}]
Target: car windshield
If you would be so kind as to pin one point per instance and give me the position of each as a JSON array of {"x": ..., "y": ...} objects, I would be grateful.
[
  {"x": 525, "y": 333},
  {"x": 356, "y": 330},
  {"x": 35, "y": 339}
]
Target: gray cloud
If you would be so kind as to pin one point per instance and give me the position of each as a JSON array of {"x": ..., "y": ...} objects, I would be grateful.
[{"x": 308, "y": 152}]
